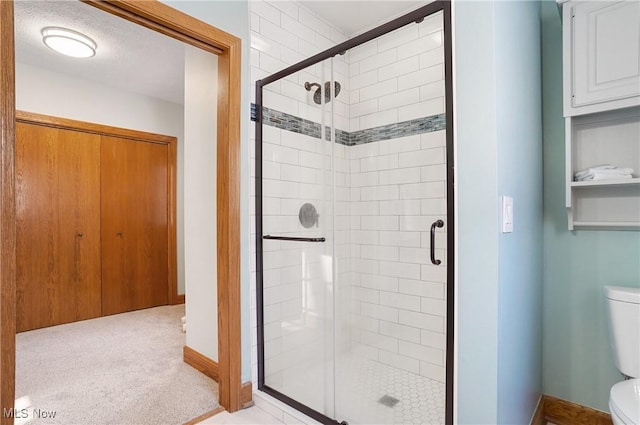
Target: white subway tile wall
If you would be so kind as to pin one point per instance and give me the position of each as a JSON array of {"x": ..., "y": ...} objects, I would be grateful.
[
  {"x": 399, "y": 76},
  {"x": 404, "y": 293},
  {"x": 390, "y": 300}
]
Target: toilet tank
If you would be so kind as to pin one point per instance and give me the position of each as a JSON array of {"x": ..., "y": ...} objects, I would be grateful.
[{"x": 623, "y": 305}]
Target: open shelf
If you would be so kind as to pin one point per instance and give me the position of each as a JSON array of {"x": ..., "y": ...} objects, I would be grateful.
[
  {"x": 602, "y": 224},
  {"x": 612, "y": 182},
  {"x": 607, "y": 137}
]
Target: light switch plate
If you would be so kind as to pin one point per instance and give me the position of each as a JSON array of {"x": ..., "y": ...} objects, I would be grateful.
[{"x": 507, "y": 214}]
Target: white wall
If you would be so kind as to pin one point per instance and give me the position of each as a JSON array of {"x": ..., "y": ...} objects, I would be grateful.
[
  {"x": 233, "y": 17},
  {"x": 398, "y": 76},
  {"x": 51, "y": 93},
  {"x": 200, "y": 109}
]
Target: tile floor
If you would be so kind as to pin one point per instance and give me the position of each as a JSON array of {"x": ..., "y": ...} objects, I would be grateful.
[
  {"x": 369, "y": 392},
  {"x": 253, "y": 415},
  {"x": 375, "y": 393},
  {"x": 257, "y": 416}
]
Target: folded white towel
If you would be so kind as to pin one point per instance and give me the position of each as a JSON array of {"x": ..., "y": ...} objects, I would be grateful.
[
  {"x": 595, "y": 168},
  {"x": 608, "y": 176},
  {"x": 604, "y": 172}
]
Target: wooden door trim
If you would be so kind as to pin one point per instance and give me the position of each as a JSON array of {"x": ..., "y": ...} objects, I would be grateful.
[
  {"x": 172, "y": 208},
  {"x": 89, "y": 127},
  {"x": 7, "y": 212},
  {"x": 164, "y": 19}
]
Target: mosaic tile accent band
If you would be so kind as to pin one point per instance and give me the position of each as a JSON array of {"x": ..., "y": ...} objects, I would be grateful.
[{"x": 299, "y": 125}]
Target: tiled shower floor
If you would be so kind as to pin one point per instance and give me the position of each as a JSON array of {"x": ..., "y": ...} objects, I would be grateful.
[
  {"x": 370, "y": 392},
  {"x": 367, "y": 390}
]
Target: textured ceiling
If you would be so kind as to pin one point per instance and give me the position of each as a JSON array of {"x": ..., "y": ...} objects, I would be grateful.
[
  {"x": 134, "y": 58},
  {"x": 355, "y": 16},
  {"x": 129, "y": 57}
]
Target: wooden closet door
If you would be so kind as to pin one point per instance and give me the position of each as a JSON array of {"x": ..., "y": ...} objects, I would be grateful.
[
  {"x": 57, "y": 226},
  {"x": 134, "y": 224}
]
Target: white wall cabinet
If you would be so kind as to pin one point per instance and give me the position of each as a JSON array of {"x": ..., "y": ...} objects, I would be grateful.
[
  {"x": 601, "y": 56},
  {"x": 601, "y": 63}
]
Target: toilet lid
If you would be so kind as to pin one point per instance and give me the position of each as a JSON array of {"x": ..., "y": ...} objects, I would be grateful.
[{"x": 625, "y": 399}]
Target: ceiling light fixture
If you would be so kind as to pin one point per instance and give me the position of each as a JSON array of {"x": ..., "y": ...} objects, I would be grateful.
[{"x": 69, "y": 42}]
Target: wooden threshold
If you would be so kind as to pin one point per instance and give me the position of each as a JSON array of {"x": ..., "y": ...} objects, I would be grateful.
[
  {"x": 205, "y": 416},
  {"x": 563, "y": 412}
]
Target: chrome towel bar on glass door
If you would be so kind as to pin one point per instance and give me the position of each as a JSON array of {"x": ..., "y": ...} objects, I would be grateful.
[{"x": 287, "y": 238}]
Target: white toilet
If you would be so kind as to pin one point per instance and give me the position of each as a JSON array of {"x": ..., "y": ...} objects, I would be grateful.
[{"x": 624, "y": 326}]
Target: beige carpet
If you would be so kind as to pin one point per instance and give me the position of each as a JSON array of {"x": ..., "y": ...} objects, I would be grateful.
[{"x": 121, "y": 369}]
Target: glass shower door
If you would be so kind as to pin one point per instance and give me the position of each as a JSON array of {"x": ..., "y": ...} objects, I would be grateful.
[
  {"x": 355, "y": 231},
  {"x": 297, "y": 240},
  {"x": 391, "y": 306}
]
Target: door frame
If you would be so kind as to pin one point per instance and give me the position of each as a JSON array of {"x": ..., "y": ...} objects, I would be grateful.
[{"x": 166, "y": 20}]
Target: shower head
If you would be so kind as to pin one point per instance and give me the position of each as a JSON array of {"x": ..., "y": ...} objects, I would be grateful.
[{"x": 327, "y": 91}]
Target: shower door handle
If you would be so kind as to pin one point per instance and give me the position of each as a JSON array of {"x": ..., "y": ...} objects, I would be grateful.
[{"x": 437, "y": 223}]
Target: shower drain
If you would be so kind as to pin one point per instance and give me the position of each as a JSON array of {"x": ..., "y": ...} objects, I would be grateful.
[{"x": 388, "y": 401}]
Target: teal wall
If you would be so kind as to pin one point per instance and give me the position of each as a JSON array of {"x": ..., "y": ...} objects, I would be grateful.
[
  {"x": 477, "y": 207},
  {"x": 499, "y": 152},
  {"x": 519, "y": 132},
  {"x": 232, "y": 16},
  {"x": 578, "y": 365}
]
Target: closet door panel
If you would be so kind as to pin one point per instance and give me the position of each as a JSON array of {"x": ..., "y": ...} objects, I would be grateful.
[
  {"x": 134, "y": 224},
  {"x": 79, "y": 198},
  {"x": 117, "y": 295},
  {"x": 58, "y": 222},
  {"x": 37, "y": 212}
]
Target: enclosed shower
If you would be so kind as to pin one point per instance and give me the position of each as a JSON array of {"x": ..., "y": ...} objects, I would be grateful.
[{"x": 354, "y": 227}]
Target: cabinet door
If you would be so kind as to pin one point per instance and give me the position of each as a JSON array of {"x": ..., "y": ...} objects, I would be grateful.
[
  {"x": 606, "y": 51},
  {"x": 134, "y": 225},
  {"x": 57, "y": 225}
]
